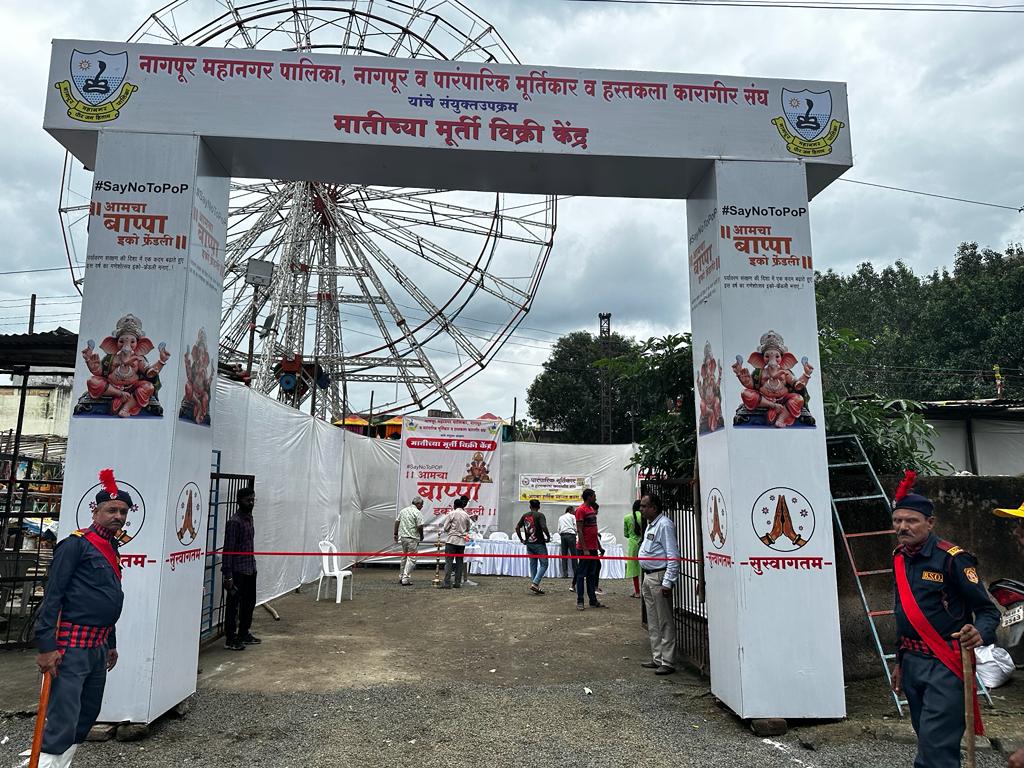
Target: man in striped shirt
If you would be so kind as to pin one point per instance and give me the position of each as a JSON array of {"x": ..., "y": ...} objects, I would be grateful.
[{"x": 75, "y": 626}]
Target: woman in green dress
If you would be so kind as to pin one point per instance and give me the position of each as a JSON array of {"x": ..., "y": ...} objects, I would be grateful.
[{"x": 632, "y": 528}]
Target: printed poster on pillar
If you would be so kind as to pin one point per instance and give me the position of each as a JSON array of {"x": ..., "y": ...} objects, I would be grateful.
[
  {"x": 142, "y": 405},
  {"x": 443, "y": 459}
]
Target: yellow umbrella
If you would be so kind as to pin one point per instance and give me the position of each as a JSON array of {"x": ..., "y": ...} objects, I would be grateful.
[{"x": 1018, "y": 512}]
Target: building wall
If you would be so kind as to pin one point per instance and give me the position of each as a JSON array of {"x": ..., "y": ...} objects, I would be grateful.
[
  {"x": 963, "y": 510},
  {"x": 47, "y": 410}
]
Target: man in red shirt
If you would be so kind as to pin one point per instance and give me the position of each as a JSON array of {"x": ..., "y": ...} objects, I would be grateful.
[{"x": 589, "y": 543}]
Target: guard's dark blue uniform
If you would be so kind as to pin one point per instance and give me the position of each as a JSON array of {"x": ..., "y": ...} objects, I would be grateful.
[
  {"x": 949, "y": 590},
  {"x": 82, "y": 603}
]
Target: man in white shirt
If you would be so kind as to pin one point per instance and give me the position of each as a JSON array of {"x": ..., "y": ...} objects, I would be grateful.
[
  {"x": 567, "y": 533},
  {"x": 659, "y": 561},
  {"x": 409, "y": 532},
  {"x": 456, "y": 533}
]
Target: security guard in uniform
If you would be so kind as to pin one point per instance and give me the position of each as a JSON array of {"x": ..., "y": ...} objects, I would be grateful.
[
  {"x": 75, "y": 625},
  {"x": 941, "y": 605}
]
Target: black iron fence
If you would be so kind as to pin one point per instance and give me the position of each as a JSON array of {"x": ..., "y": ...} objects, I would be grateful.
[
  {"x": 688, "y": 603},
  {"x": 27, "y": 533},
  {"x": 224, "y": 489}
]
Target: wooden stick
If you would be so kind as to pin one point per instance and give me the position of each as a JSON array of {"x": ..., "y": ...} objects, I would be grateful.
[
  {"x": 37, "y": 736},
  {"x": 968, "y": 667}
]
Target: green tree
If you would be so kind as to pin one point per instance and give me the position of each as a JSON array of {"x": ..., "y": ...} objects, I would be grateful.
[
  {"x": 659, "y": 373},
  {"x": 936, "y": 337},
  {"x": 566, "y": 396},
  {"x": 893, "y": 432}
]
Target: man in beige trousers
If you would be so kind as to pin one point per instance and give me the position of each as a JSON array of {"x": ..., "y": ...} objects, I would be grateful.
[{"x": 659, "y": 561}]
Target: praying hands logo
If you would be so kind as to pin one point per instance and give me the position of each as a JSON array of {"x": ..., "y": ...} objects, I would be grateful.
[
  {"x": 718, "y": 520},
  {"x": 188, "y": 511},
  {"x": 783, "y": 519}
]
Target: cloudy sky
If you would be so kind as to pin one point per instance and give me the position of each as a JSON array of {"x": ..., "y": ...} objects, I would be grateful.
[{"x": 936, "y": 104}]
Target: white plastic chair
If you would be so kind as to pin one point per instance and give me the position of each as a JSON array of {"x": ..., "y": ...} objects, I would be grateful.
[
  {"x": 332, "y": 569},
  {"x": 608, "y": 539},
  {"x": 498, "y": 536}
]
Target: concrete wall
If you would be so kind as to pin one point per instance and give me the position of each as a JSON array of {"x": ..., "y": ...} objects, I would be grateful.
[
  {"x": 47, "y": 410},
  {"x": 964, "y": 516}
]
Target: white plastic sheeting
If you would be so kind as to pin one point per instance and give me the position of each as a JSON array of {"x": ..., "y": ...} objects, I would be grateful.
[
  {"x": 370, "y": 490},
  {"x": 950, "y": 442},
  {"x": 371, "y": 480},
  {"x": 998, "y": 445},
  {"x": 297, "y": 461},
  {"x": 316, "y": 481}
]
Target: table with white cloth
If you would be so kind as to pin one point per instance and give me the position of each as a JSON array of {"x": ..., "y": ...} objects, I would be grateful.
[{"x": 507, "y": 565}]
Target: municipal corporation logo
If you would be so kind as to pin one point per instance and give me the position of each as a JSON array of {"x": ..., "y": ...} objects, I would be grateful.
[
  {"x": 99, "y": 79},
  {"x": 807, "y": 126}
]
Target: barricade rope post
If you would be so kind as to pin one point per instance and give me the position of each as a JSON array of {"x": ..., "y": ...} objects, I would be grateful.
[{"x": 437, "y": 562}]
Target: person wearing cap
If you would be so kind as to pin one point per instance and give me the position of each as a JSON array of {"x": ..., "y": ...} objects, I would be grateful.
[
  {"x": 75, "y": 624},
  {"x": 409, "y": 533},
  {"x": 941, "y": 605}
]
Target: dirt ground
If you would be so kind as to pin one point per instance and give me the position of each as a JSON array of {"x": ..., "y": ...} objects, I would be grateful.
[{"x": 487, "y": 675}]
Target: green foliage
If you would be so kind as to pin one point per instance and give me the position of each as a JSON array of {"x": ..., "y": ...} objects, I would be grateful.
[
  {"x": 934, "y": 337},
  {"x": 894, "y": 434},
  {"x": 566, "y": 396},
  {"x": 660, "y": 371}
]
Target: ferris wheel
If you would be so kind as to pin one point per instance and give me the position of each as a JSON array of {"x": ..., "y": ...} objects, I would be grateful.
[{"x": 382, "y": 299}]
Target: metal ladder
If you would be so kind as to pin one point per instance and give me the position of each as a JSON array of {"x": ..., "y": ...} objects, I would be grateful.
[{"x": 846, "y": 452}]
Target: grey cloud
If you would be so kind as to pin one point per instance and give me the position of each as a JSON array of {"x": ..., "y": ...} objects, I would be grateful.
[{"x": 935, "y": 105}]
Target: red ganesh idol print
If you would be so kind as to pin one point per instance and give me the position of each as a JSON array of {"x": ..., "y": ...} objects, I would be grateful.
[
  {"x": 709, "y": 390},
  {"x": 123, "y": 382},
  {"x": 199, "y": 373},
  {"x": 772, "y": 394}
]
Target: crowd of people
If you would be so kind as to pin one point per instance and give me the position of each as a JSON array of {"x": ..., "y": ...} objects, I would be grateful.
[
  {"x": 941, "y": 604},
  {"x": 652, "y": 554}
]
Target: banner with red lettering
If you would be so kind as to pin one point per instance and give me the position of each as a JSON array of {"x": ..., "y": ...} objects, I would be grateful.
[{"x": 443, "y": 459}]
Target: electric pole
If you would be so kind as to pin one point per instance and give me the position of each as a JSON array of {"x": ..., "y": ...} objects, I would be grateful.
[{"x": 605, "y": 319}]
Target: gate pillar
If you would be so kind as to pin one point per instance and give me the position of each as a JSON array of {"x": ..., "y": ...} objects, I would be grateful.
[
  {"x": 144, "y": 385},
  {"x": 767, "y": 526}
]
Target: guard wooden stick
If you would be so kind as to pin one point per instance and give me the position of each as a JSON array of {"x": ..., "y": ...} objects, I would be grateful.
[
  {"x": 37, "y": 735},
  {"x": 965, "y": 657}
]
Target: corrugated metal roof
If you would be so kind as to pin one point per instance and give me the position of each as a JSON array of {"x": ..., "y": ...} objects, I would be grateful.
[
  {"x": 50, "y": 349},
  {"x": 989, "y": 407}
]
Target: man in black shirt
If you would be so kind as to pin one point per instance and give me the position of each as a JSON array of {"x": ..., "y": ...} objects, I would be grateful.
[
  {"x": 532, "y": 530},
  {"x": 239, "y": 572}
]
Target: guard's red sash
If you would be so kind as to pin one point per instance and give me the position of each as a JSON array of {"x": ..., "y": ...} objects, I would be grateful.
[
  {"x": 950, "y": 657},
  {"x": 105, "y": 548}
]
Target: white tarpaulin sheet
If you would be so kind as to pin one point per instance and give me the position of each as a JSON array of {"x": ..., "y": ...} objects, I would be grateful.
[
  {"x": 371, "y": 466},
  {"x": 316, "y": 481},
  {"x": 297, "y": 461},
  {"x": 998, "y": 445}
]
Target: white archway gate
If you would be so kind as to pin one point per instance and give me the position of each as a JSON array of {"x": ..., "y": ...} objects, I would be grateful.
[{"x": 164, "y": 128}]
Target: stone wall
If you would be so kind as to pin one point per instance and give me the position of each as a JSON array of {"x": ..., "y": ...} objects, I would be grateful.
[{"x": 964, "y": 516}]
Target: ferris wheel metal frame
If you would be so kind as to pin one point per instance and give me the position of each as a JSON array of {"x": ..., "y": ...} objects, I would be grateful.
[{"x": 404, "y": 266}]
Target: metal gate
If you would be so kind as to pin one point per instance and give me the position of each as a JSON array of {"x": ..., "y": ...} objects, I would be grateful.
[
  {"x": 224, "y": 489},
  {"x": 26, "y": 547},
  {"x": 689, "y": 608}
]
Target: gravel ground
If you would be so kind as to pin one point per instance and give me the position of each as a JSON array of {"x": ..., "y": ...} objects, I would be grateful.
[
  {"x": 469, "y": 725},
  {"x": 485, "y": 677}
]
